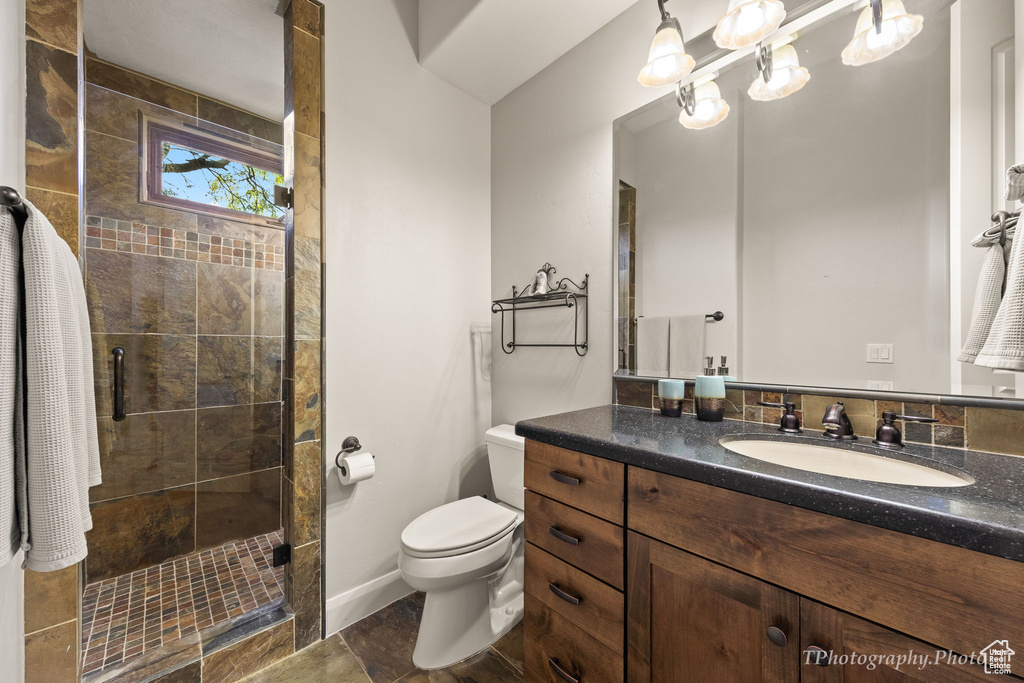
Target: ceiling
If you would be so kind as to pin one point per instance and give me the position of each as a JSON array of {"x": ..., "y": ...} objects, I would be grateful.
[
  {"x": 229, "y": 50},
  {"x": 488, "y": 48}
]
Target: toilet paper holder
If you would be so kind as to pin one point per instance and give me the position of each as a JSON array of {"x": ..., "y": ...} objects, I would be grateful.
[{"x": 349, "y": 445}]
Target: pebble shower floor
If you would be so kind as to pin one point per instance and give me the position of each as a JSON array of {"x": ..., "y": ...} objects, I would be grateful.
[{"x": 127, "y": 616}]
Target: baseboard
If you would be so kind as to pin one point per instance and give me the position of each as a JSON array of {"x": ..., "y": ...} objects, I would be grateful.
[{"x": 352, "y": 605}]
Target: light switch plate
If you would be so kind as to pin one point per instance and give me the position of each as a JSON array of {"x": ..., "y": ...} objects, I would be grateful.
[{"x": 880, "y": 353}]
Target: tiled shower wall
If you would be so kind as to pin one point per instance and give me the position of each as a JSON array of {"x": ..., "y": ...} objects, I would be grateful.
[
  {"x": 303, "y": 373},
  {"x": 51, "y": 179},
  {"x": 975, "y": 428},
  {"x": 199, "y": 455}
]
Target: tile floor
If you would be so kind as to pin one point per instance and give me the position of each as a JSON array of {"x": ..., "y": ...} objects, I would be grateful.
[
  {"x": 136, "y": 613},
  {"x": 379, "y": 649}
]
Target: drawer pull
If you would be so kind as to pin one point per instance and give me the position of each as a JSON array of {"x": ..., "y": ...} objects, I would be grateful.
[
  {"x": 562, "y": 536},
  {"x": 562, "y": 673},
  {"x": 568, "y": 597},
  {"x": 817, "y": 656},
  {"x": 563, "y": 478},
  {"x": 777, "y": 636}
]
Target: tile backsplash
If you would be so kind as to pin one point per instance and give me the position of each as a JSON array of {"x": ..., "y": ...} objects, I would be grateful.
[{"x": 980, "y": 429}]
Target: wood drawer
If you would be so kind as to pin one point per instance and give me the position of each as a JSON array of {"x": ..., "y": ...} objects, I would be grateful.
[
  {"x": 594, "y": 606},
  {"x": 552, "y": 640},
  {"x": 948, "y": 596},
  {"x": 582, "y": 540},
  {"x": 594, "y": 485}
]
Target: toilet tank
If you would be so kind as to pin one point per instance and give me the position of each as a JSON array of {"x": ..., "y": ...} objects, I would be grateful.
[{"x": 505, "y": 452}]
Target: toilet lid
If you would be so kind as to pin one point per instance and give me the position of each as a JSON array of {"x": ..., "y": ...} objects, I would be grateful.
[{"x": 455, "y": 526}]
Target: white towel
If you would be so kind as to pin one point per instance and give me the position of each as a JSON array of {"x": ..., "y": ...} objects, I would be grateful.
[
  {"x": 686, "y": 345},
  {"x": 652, "y": 346},
  {"x": 60, "y": 459},
  {"x": 1015, "y": 183},
  {"x": 987, "y": 297},
  {"x": 10, "y": 385},
  {"x": 1004, "y": 347}
]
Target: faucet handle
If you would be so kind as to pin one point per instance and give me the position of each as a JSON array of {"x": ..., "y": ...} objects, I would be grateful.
[
  {"x": 790, "y": 423},
  {"x": 907, "y": 418},
  {"x": 888, "y": 434}
]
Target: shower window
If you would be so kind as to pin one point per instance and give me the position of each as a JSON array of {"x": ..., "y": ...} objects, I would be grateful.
[{"x": 192, "y": 170}]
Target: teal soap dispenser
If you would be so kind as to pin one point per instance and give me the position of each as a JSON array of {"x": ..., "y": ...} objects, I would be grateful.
[{"x": 709, "y": 394}]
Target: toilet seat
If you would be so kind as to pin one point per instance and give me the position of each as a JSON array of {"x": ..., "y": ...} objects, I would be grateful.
[{"x": 458, "y": 528}]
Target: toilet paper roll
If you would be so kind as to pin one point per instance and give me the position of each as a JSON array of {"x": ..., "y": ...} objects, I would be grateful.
[{"x": 356, "y": 467}]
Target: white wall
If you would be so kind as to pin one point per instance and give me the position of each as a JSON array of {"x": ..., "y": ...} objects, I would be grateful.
[
  {"x": 12, "y": 173},
  {"x": 552, "y": 194},
  {"x": 408, "y": 262}
]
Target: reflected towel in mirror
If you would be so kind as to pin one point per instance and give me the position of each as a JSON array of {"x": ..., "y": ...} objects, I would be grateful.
[
  {"x": 1015, "y": 183},
  {"x": 652, "y": 337},
  {"x": 1004, "y": 347},
  {"x": 987, "y": 297},
  {"x": 686, "y": 345}
]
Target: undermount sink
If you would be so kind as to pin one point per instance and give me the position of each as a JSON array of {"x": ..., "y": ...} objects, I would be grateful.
[{"x": 844, "y": 462}]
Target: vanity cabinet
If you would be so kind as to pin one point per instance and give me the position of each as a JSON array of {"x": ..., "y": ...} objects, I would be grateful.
[
  {"x": 575, "y": 609},
  {"x": 694, "y": 620},
  {"x": 691, "y": 619},
  {"x": 667, "y": 579},
  {"x": 847, "y": 637}
]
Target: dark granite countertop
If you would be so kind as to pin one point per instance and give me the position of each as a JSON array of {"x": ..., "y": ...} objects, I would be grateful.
[{"x": 986, "y": 516}]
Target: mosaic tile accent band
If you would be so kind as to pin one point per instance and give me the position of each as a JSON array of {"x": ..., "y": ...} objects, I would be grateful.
[
  {"x": 129, "y": 615},
  {"x": 138, "y": 238}
]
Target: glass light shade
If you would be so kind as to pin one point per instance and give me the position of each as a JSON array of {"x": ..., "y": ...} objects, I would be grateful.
[
  {"x": 748, "y": 21},
  {"x": 709, "y": 108},
  {"x": 667, "y": 61},
  {"x": 787, "y": 76},
  {"x": 898, "y": 29}
]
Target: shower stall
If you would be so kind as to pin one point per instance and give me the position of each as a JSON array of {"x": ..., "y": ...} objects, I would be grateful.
[{"x": 184, "y": 254}]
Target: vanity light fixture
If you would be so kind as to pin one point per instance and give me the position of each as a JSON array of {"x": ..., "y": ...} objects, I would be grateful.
[
  {"x": 882, "y": 28},
  {"x": 781, "y": 73},
  {"x": 702, "y": 104},
  {"x": 667, "y": 61},
  {"x": 748, "y": 22}
]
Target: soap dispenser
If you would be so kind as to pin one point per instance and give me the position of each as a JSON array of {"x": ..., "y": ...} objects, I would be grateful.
[{"x": 709, "y": 398}]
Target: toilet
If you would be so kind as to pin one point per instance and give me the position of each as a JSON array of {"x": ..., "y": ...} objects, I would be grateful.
[{"x": 467, "y": 556}]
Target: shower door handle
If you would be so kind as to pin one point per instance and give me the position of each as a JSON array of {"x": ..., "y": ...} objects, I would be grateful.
[{"x": 118, "y": 384}]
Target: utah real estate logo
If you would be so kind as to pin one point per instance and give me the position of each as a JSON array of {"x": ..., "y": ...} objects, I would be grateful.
[{"x": 996, "y": 657}]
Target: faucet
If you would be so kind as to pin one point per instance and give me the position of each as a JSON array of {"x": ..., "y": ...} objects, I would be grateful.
[
  {"x": 888, "y": 434},
  {"x": 790, "y": 420},
  {"x": 837, "y": 423}
]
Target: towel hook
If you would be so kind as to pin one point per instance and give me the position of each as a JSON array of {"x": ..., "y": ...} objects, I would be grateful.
[
  {"x": 1002, "y": 217},
  {"x": 11, "y": 198}
]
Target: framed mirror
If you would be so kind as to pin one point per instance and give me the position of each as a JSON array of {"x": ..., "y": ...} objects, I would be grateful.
[{"x": 837, "y": 228}]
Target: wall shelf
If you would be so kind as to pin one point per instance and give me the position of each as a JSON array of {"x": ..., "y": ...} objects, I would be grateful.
[{"x": 562, "y": 293}]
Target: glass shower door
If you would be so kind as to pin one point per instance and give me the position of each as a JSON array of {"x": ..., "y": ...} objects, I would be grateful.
[{"x": 184, "y": 265}]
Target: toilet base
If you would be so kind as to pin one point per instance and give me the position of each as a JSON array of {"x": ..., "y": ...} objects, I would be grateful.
[
  {"x": 460, "y": 622},
  {"x": 455, "y": 626}
]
